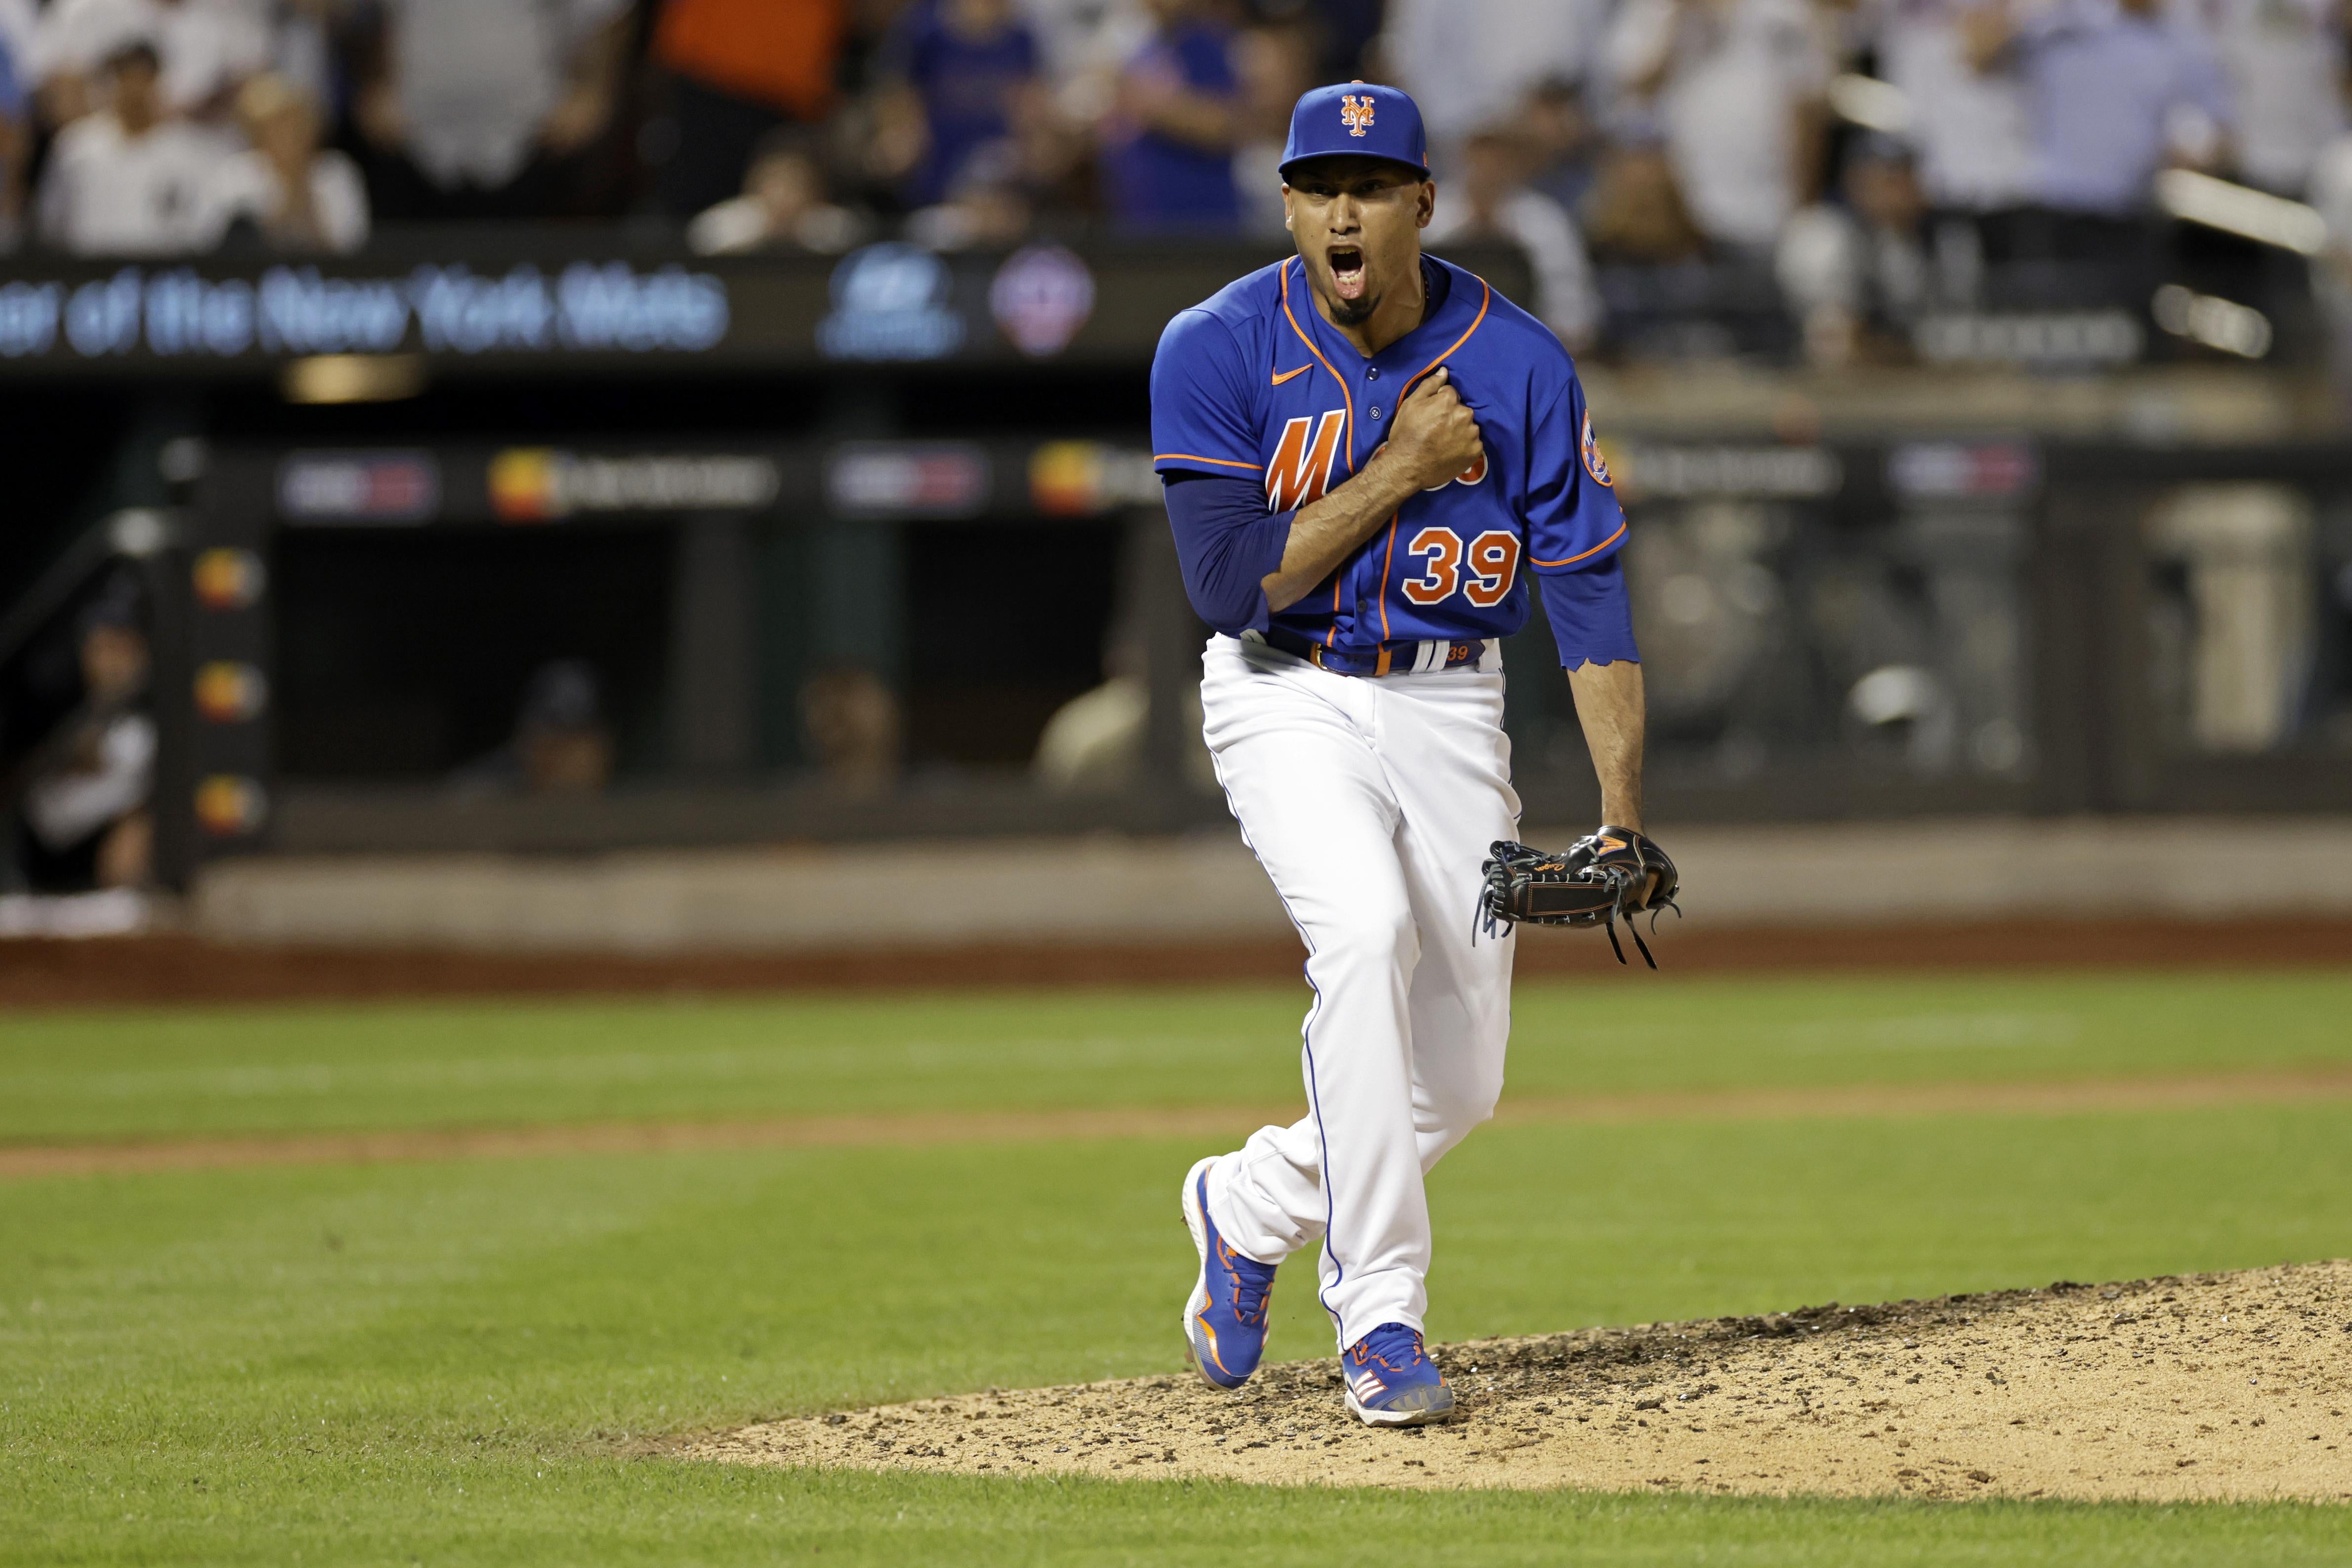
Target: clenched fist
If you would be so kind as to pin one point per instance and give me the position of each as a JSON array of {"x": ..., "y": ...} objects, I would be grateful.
[{"x": 1434, "y": 437}]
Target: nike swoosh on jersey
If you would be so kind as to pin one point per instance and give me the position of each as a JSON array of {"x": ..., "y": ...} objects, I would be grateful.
[{"x": 1282, "y": 376}]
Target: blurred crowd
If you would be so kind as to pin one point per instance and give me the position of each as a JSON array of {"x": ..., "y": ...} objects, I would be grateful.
[{"x": 1850, "y": 164}]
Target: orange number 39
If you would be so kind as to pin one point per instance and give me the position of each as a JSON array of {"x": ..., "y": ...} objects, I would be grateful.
[{"x": 1484, "y": 578}]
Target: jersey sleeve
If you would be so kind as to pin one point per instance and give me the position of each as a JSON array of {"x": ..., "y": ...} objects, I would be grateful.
[
  {"x": 1590, "y": 613},
  {"x": 1200, "y": 401},
  {"x": 1227, "y": 544},
  {"x": 1573, "y": 518}
]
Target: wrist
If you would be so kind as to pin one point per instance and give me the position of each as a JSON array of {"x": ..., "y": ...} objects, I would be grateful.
[{"x": 1392, "y": 476}]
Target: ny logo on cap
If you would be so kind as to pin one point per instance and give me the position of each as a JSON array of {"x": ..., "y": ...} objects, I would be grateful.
[{"x": 1355, "y": 114}]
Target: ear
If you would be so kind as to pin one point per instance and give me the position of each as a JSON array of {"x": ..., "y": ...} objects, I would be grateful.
[
  {"x": 1425, "y": 207},
  {"x": 1288, "y": 213}
]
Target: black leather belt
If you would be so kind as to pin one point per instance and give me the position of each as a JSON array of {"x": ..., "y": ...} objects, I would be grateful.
[{"x": 1389, "y": 659}]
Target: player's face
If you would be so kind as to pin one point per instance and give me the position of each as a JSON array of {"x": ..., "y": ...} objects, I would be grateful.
[{"x": 1357, "y": 222}]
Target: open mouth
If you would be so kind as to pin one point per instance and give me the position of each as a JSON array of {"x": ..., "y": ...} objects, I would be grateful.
[{"x": 1347, "y": 271}]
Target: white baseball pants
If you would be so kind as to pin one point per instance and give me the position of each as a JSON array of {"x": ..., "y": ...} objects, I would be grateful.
[{"x": 1370, "y": 802}]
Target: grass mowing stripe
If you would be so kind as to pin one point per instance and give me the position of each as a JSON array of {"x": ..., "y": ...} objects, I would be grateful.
[
  {"x": 437, "y": 1362},
  {"x": 493, "y": 1512},
  {"x": 1213, "y": 1122},
  {"x": 143, "y": 1073}
]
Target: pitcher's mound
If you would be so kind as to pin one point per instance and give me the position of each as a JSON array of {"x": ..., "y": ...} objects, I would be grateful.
[{"x": 2220, "y": 1385}]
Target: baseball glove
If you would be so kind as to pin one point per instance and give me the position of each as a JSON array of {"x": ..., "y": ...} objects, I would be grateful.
[{"x": 1612, "y": 874}]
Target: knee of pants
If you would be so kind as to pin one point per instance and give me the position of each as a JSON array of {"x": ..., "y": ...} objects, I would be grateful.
[
  {"x": 1458, "y": 1106},
  {"x": 1462, "y": 1089},
  {"x": 1370, "y": 939}
]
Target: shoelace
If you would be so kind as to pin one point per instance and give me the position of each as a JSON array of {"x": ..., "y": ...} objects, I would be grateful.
[
  {"x": 1394, "y": 1345},
  {"x": 1253, "y": 1283}
]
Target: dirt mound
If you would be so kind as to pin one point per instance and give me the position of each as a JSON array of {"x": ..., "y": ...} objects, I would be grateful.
[{"x": 2206, "y": 1388}]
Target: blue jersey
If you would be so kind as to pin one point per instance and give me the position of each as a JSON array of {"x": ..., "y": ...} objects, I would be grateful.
[{"x": 1254, "y": 381}]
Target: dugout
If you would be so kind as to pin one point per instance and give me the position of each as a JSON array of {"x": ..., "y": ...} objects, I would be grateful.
[
  {"x": 1995, "y": 588},
  {"x": 1841, "y": 628}
]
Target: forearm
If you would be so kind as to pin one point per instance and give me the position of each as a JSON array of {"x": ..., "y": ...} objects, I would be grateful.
[
  {"x": 1611, "y": 708},
  {"x": 1324, "y": 534}
]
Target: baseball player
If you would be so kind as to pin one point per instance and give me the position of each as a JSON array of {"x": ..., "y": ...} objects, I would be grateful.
[{"x": 1365, "y": 452}]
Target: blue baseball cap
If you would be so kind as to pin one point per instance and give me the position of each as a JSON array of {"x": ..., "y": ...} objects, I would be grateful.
[{"x": 1357, "y": 120}]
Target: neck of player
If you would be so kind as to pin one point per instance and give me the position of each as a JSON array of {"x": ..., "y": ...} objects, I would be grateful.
[{"x": 1401, "y": 306}]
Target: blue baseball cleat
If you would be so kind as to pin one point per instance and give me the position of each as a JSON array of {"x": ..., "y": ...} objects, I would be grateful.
[
  {"x": 1391, "y": 1382},
  {"x": 1226, "y": 1321}
]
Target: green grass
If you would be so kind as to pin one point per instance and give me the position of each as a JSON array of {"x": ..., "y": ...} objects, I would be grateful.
[
  {"x": 456, "y": 1361},
  {"x": 113, "y": 1073}
]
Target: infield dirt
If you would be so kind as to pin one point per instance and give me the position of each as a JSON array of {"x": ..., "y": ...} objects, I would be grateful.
[
  {"x": 165, "y": 969},
  {"x": 2206, "y": 1387}
]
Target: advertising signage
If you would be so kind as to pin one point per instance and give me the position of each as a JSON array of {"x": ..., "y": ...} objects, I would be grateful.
[
  {"x": 590, "y": 300},
  {"x": 181, "y": 312}
]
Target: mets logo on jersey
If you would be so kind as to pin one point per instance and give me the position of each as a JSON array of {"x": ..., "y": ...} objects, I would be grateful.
[
  {"x": 1355, "y": 114},
  {"x": 1470, "y": 475},
  {"x": 1594, "y": 464},
  {"x": 1301, "y": 469}
]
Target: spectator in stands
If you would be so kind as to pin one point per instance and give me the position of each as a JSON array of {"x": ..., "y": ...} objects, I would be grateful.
[
  {"x": 127, "y": 181},
  {"x": 303, "y": 50},
  {"x": 2116, "y": 89},
  {"x": 739, "y": 71},
  {"x": 1857, "y": 276},
  {"x": 83, "y": 823},
  {"x": 962, "y": 78},
  {"x": 1466, "y": 61},
  {"x": 1736, "y": 86},
  {"x": 989, "y": 209},
  {"x": 1083, "y": 45},
  {"x": 1491, "y": 200},
  {"x": 783, "y": 206},
  {"x": 485, "y": 108},
  {"x": 2284, "y": 60},
  {"x": 282, "y": 186},
  {"x": 15, "y": 136},
  {"x": 207, "y": 48},
  {"x": 1634, "y": 212},
  {"x": 1275, "y": 65},
  {"x": 1566, "y": 144},
  {"x": 1968, "y": 106},
  {"x": 1168, "y": 141},
  {"x": 20, "y": 26},
  {"x": 1347, "y": 33}
]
